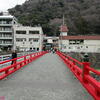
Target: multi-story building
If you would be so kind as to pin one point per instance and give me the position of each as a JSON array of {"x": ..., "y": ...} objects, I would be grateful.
[
  {"x": 15, "y": 36},
  {"x": 50, "y": 42},
  {"x": 6, "y": 31},
  {"x": 28, "y": 38},
  {"x": 78, "y": 43}
]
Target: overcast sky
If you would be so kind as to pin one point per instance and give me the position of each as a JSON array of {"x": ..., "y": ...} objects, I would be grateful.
[{"x": 6, "y": 4}]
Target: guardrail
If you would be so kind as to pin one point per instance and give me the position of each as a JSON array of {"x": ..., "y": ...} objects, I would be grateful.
[
  {"x": 83, "y": 75},
  {"x": 8, "y": 56},
  {"x": 4, "y": 72}
]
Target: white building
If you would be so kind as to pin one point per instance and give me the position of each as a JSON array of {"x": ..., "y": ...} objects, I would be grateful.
[
  {"x": 78, "y": 43},
  {"x": 50, "y": 42},
  {"x": 6, "y": 31},
  {"x": 63, "y": 32},
  {"x": 28, "y": 38}
]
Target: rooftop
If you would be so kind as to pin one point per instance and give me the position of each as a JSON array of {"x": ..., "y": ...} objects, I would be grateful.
[
  {"x": 6, "y": 16},
  {"x": 64, "y": 28},
  {"x": 96, "y": 37}
]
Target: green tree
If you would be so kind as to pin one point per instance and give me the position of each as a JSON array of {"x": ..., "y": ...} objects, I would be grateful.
[{"x": 82, "y": 26}]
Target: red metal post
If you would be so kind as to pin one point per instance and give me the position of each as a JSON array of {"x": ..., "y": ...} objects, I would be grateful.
[
  {"x": 6, "y": 72},
  {"x": 15, "y": 64},
  {"x": 30, "y": 57},
  {"x": 97, "y": 92},
  {"x": 24, "y": 60},
  {"x": 85, "y": 71},
  {"x": 74, "y": 63}
]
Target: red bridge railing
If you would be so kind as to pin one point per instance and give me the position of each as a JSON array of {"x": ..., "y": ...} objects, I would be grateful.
[
  {"x": 18, "y": 63},
  {"x": 83, "y": 75}
]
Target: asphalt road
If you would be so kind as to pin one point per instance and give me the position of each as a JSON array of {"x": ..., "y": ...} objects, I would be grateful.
[{"x": 46, "y": 78}]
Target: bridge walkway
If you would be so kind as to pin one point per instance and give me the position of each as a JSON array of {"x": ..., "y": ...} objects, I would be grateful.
[{"x": 46, "y": 78}]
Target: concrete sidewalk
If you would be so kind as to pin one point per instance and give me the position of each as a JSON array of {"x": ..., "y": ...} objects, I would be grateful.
[{"x": 47, "y": 78}]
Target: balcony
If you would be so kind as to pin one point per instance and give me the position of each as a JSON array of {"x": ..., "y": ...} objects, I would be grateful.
[
  {"x": 6, "y": 37},
  {"x": 7, "y": 31},
  {"x": 5, "y": 23},
  {"x": 6, "y": 44}
]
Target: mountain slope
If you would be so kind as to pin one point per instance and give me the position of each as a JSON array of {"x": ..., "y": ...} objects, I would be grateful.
[{"x": 81, "y": 16}]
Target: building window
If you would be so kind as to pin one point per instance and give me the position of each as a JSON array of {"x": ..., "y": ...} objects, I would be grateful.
[
  {"x": 30, "y": 48},
  {"x": 30, "y": 42},
  {"x": 5, "y": 29},
  {"x": 33, "y": 48},
  {"x": 76, "y": 42},
  {"x": 20, "y": 32},
  {"x": 35, "y": 40},
  {"x": 69, "y": 47},
  {"x": 23, "y": 42},
  {"x": 14, "y": 22},
  {"x": 45, "y": 41},
  {"x": 30, "y": 39},
  {"x": 37, "y": 49},
  {"x": 33, "y": 32},
  {"x": 78, "y": 47},
  {"x": 81, "y": 46},
  {"x": 86, "y": 46},
  {"x": 9, "y": 22},
  {"x": 24, "y": 39},
  {"x": 20, "y": 39}
]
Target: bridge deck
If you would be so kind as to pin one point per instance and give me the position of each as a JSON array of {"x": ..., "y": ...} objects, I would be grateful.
[{"x": 47, "y": 78}]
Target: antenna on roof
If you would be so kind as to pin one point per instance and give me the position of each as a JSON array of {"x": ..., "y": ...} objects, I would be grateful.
[{"x": 63, "y": 19}]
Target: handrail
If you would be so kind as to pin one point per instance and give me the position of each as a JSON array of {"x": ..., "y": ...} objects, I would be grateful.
[
  {"x": 17, "y": 58},
  {"x": 4, "y": 72},
  {"x": 72, "y": 59},
  {"x": 83, "y": 75},
  {"x": 94, "y": 71}
]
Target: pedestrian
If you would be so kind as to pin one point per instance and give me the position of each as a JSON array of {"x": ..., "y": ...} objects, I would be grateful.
[
  {"x": 50, "y": 49},
  {"x": 53, "y": 50},
  {"x": 14, "y": 55}
]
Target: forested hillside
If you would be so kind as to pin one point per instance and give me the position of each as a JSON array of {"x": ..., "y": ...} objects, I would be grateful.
[{"x": 81, "y": 16}]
